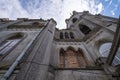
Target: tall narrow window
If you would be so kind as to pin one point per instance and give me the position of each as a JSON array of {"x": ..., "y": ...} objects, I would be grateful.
[
  {"x": 84, "y": 29},
  {"x": 71, "y": 35},
  {"x": 8, "y": 44},
  {"x": 66, "y": 35},
  {"x": 105, "y": 49},
  {"x": 61, "y": 35},
  {"x": 81, "y": 58},
  {"x": 62, "y": 58},
  {"x": 72, "y": 58}
]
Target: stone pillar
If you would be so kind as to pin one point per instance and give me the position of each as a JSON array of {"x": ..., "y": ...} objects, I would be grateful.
[
  {"x": 35, "y": 67},
  {"x": 115, "y": 45}
]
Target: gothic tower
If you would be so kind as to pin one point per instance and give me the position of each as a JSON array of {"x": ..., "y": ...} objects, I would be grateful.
[{"x": 33, "y": 49}]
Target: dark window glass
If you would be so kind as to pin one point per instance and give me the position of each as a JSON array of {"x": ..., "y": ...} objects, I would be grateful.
[
  {"x": 8, "y": 44},
  {"x": 66, "y": 35},
  {"x": 74, "y": 20},
  {"x": 71, "y": 35},
  {"x": 84, "y": 29},
  {"x": 62, "y": 58},
  {"x": 61, "y": 35}
]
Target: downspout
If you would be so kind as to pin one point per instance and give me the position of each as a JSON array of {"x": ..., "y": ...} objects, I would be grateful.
[{"x": 13, "y": 66}]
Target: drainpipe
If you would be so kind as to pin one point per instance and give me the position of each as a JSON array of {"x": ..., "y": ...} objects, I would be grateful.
[{"x": 13, "y": 66}]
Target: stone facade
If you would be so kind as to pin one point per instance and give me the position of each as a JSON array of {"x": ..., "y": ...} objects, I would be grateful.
[{"x": 33, "y": 49}]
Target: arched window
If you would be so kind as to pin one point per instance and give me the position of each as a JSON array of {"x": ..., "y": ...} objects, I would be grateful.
[
  {"x": 71, "y": 35},
  {"x": 62, "y": 58},
  {"x": 105, "y": 49},
  {"x": 38, "y": 24},
  {"x": 72, "y": 58},
  {"x": 66, "y": 35},
  {"x": 61, "y": 35},
  {"x": 8, "y": 44},
  {"x": 74, "y": 20},
  {"x": 81, "y": 58},
  {"x": 84, "y": 29}
]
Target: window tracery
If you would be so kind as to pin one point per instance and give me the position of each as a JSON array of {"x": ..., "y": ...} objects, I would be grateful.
[
  {"x": 105, "y": 49},
  {"x": 8, "y": 44}
]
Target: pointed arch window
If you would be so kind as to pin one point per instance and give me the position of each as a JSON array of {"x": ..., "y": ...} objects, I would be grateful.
[
  {"x": 62, "y": 58},
  {"x": 61, "y": 35},
  {"x": 81, "y": 58},
  {"x": 72, "y": 58},
  {"x": 85, "y": 29},
  {"x": 8, "y": 44},
  {"x": 66, "y": 35},
  {"x": 71, "y": 35}
]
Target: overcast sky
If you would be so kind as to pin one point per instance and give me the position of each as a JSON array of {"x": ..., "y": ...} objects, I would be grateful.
[{"x": 57, "y": 9}]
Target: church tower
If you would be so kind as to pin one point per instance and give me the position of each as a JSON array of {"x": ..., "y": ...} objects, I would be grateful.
[{"x": 33, "y": 49}]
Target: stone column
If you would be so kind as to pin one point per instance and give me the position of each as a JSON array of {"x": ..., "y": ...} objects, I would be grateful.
[
  {"x": 35, "y": 67},
  {"x": 115, "y": 45}
]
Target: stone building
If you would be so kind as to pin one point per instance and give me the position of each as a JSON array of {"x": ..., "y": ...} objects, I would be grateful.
[{"x": 34, "y": 49}]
